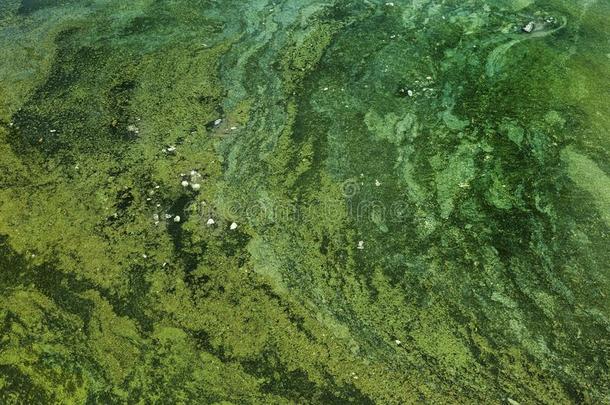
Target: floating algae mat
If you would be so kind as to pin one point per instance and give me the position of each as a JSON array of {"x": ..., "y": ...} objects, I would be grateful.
[{"x": 305, "y": 201}]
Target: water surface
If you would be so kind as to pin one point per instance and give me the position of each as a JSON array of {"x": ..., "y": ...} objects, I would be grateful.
[{"x": 302, "y": 201}]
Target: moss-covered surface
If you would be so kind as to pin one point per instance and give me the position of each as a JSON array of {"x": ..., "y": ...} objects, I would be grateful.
[{"x": 291, "y": 201}]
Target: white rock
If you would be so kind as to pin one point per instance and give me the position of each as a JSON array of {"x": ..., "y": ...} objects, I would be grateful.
[
  {"x": 377, "y": 183},
  {"x": 361, "y": 245},
  {"x": 195, "y": 186},
  {"x": 211, "y": 221},
  {"x": 185, "y": 183},
  {"x": 398, "y": 342},
  {"x": 233, "y": 226},
  {"x": 196, "y": 177},
  {"x": 218, "y": 122},
  {"x": 410, "y": 93},
  {"x": 177, "y": 218},
  {"x": 529, "y": 27}
]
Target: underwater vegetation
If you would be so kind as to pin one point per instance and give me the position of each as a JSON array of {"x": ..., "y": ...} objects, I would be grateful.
[{"x": 304, "y": 201}]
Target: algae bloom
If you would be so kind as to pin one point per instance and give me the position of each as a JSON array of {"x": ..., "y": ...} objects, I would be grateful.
[{"x": 305, "y": 202}]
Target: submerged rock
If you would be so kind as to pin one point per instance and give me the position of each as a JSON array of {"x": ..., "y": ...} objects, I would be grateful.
[{"x": 529, "y": 27}]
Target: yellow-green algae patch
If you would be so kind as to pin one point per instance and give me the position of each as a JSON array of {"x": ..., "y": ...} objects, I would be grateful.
[{"x": 590, "y": 177}]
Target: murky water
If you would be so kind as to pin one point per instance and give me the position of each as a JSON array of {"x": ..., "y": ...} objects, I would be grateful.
[{"x": 304, "y": 201}]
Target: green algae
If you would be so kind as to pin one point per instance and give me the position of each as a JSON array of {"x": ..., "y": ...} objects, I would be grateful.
[
  {"x": 469, "y": 158},
  {"x": 584, "y": 172}
]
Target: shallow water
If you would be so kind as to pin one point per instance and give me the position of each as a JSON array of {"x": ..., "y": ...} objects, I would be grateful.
[{"x": 304, "y": 201}]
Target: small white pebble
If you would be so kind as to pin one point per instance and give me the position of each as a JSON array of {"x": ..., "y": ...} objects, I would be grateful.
[
  {"x": 144, "y": 256},
  {"x": 361, "y": 245},
  {"x": 377, "y": 183},
  {"x": 211, "y": 221},
  {"x": 177, "y": 218},
  {"x": 53, "y": 131},
  {"x": 325, "y": 88},
  {"x": 398, "y": 342},
  {"x": 233, "y": 226},
  {"x": 185, "y": 183},
  {"x": 168, "y": 216},
  {"x": 233, "y": 128},
  {"x": 218, "y": 122},
  {"x": 410, "y": 93}
]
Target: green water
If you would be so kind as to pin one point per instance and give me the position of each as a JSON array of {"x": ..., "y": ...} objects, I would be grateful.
[{"x": 303, "y": 201}]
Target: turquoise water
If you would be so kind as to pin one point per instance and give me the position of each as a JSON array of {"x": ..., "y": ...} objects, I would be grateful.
[{"x": 316, "y": 202}]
